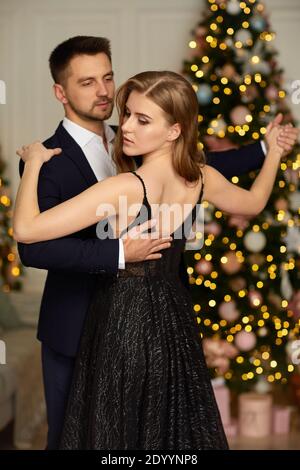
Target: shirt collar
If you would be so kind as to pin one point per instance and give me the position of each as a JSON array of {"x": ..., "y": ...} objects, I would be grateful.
[{"x": 83, "y": 136}]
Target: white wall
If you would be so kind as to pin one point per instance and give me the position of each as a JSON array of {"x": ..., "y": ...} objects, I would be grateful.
[{"x": 145, "y": 34}]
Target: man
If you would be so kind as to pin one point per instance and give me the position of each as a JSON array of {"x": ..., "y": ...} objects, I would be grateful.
[{"x": 83, "y": 82}]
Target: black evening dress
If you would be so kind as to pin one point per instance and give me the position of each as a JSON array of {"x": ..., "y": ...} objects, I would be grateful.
[{"x": 140, "y": 379}]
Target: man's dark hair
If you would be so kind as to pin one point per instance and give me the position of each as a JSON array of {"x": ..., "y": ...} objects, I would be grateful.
[{"x": 63, "y": 53}]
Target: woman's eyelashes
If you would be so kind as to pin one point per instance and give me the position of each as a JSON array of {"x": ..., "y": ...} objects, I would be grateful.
[{"x": 140, "y": 121}]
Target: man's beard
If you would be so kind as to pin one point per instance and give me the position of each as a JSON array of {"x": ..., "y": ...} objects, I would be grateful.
[{"x": 89, "y": 116}]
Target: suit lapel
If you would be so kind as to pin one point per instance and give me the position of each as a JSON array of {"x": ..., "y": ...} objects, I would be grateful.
[{"x": 72, "y": 150}]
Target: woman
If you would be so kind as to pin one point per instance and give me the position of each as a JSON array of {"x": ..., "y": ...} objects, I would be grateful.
[{"x": 141, "y": 381}]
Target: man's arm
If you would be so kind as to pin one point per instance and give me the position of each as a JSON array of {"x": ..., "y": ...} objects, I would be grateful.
[
  {"x": 238, "y": 161},
  {"x": 69, "y": 253},
  {"x": 251, "y": 157}
]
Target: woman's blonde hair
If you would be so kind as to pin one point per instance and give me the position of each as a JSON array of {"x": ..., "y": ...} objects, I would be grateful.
[{"x": 176, "y": 97}]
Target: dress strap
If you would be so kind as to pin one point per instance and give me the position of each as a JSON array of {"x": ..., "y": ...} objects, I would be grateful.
[
  {"x": 202, "y": 188},
  {"x": 140, "y": 178},
  {"x": 196, "y": 207}
]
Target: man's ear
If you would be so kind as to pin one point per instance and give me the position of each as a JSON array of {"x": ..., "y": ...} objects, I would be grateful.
[
  {"x": 60, "y": 93},
  {"x": 174, "y": 132}
]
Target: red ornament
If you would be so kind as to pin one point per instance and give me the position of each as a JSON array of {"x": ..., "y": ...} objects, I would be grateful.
[{"x": 281, "y": 204}]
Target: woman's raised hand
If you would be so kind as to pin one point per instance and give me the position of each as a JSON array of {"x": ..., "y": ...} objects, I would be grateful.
[
  {"x": 37, "y": 151},
  {"x": 274, "y": 136}
]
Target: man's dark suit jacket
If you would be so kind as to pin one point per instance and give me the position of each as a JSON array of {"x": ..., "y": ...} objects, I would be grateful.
[{"x": 75, "y": 262}]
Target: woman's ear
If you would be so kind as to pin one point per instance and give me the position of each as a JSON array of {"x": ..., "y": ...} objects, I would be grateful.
[{"x": 174, "y": 132}]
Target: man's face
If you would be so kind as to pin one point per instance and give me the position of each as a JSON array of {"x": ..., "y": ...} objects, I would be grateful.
[{"x": 89, "y": 88}]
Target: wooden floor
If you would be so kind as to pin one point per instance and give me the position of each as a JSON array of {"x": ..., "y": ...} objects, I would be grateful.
[{"x": 272, "y": 442}]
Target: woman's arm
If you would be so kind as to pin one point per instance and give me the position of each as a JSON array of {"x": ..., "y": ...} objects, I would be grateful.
[
  {"x": 96, "y": 203},
  {"x": 234, "y": 200}
]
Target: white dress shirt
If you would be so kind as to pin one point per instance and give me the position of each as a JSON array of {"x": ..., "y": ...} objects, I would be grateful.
[
  {"x": 97, "y": 156},
  {"x": 264, "y": 147}
]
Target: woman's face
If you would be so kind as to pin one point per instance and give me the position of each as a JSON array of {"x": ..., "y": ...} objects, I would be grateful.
[{"x": 145, "y": 128}]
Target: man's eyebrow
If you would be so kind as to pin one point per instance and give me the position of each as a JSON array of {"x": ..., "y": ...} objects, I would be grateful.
[
  {"x": 84, "y": 79},
  {"x": 139, "y": 114}
]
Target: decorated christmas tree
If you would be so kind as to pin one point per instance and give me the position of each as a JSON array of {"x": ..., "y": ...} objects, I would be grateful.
[
  {"x": 10, "y": 269},
  {"x": 245, "y": 278}
]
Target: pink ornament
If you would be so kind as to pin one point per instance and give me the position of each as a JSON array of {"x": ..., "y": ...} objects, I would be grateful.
[
  {"x": 238, "y": 221},
  {"x": 204, "y": 267},
  {"x": 251, "y": 93},
  {"x": 219, "y": 347},
  {"x": 281, "y": 204},
  {"x": 271, "y": 93},
  {"x": 213, "y": 228},
  {"x": 291, "y": 176},
  {"x": 221, "y": 364},
  {"x": 228, "y": 71},
  {"x": 294, "y": 305},
  {"x": 238, "y": 115},
  {"x": 217, "y": 353},
  {"x": 228, "y": 311},
  {"x": 245, "y": 341},
  {"x": 232, "y": 265},
  {"x": 255, "y": 298}
]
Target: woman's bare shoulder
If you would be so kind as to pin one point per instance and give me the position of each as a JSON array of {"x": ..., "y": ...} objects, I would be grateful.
[
  {"x": 126, "y": 183},
  {"x": 122, "y": 178},
  {"x": 209, "y": 171}
]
